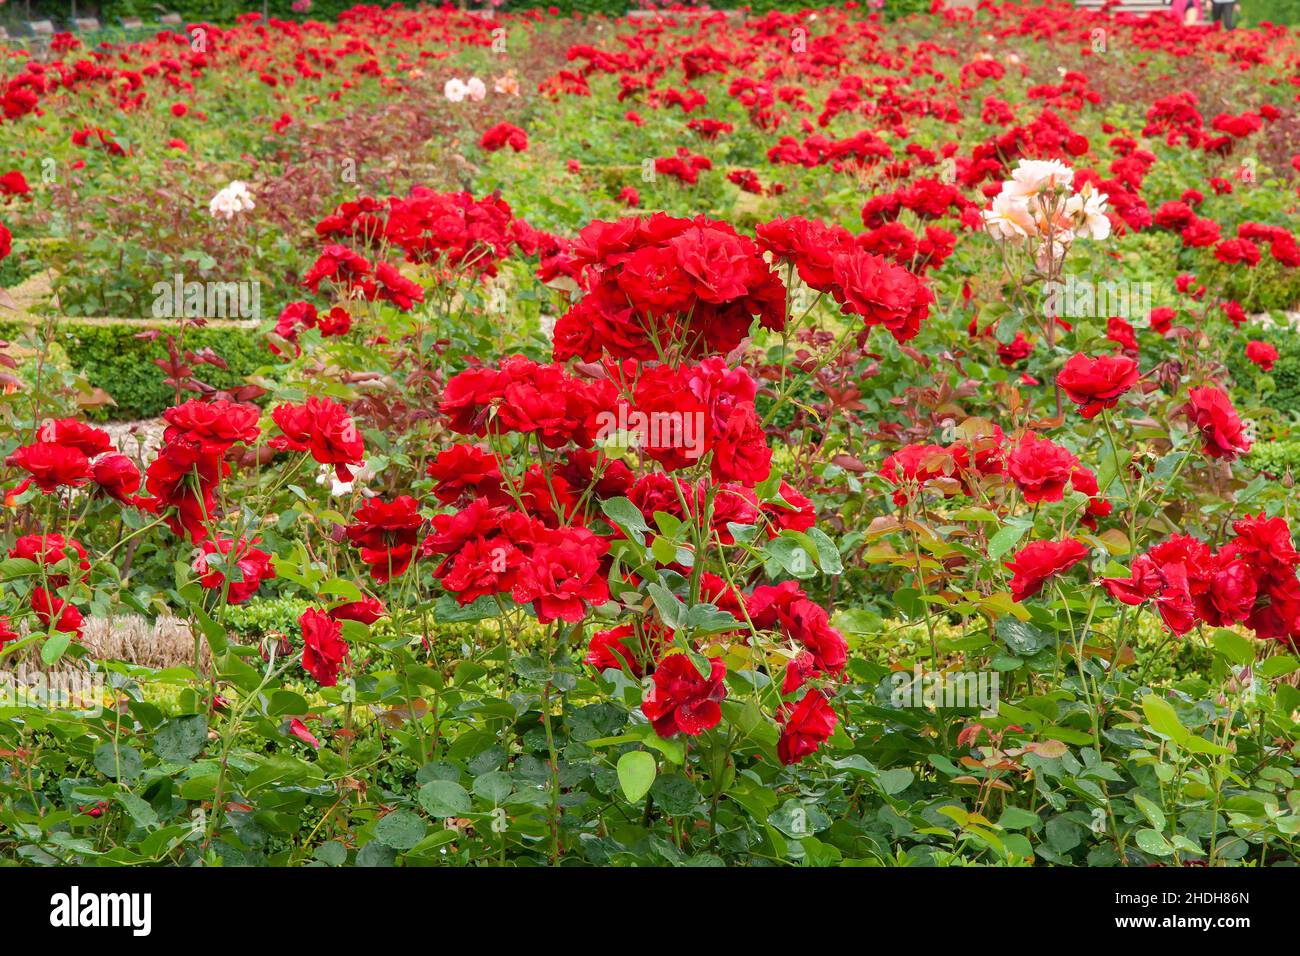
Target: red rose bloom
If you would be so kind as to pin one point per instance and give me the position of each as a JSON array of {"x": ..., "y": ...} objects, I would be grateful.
[
  {"x": 324, "y": 428},
  {"x": 49, "y": 551},
  {"x": 214, "y": 426},
  {"x": 1094, "y": 384},
  {"x": 51, "y": 465},
  {"x": 117, "y": 476},
  {"x": 464, "y": 471},
  {"x": 1222, "y": 433},
  {"x": 563, "y": 575},
  {"x": 7, "y": 634},
  {"x": 88, "y": 440},
  {"x": 55, "y": 612},
  {"x": 882, "y": 292},
  {"x": 1262, "y": 354},
  {"x": 627, "y": 648},
  {"x": 366, "y": 611},
  {"x": 807, "y": 726},
  {"x": 682, "y": 700},
  {"x": 386, "y": 533},
  {"x": 1041, "y": 468},
  {"x": 1033, "y": 564},
  {"x": 323, "y": 647},
  {"x": 504, "y": 134},
  {"x": 254, "y": 568}
]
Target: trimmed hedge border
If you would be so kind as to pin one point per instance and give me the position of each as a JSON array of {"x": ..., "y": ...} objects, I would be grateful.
[{"x": 112, "y": 358}]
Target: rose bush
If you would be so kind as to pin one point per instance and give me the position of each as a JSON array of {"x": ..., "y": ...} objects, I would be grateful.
[{"x": 752, "y": 464}]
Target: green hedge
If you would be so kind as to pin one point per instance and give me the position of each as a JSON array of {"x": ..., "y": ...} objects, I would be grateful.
[
  {"x": 1275, "y": 457},
  {"x": 1274, "y": 11},
  {"x": 1285, "y": 375},
  {"x": 113, "y": 359}
]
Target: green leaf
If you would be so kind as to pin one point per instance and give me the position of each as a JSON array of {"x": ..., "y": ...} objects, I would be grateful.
[
  {"x": 636, "y": 774},
  {"x": 141, "y": 812},
  {"x": 1006, "y": 538},
  {"x": 1150, "y": 811},
  {"x": 340, "y": 588},
  {"x": 376, "y": 854},
  {"x": 400, "y": 829},
  {"x": 444, "y": 798},
  {"x": 495, "y": 786},
  {"x": 627, "y": 516},
  {"x": 1017, "y": 818},
  {"x": 1278, "y": 666},
  {"x": 54, "y": 647},
  {"x": 118, "y": 763},
  {"x": 1163, "y": 720},
  {"x": 1024, "y": 640},
  {"x": 1233, "y": 646},
  {"x": 181, "y": 739},
  {"x": 671, "y": 609},
  {"x": 895, "y": 781},
  {"x": 1149, "y": 841},
  {"x": 332, "y": 853}
]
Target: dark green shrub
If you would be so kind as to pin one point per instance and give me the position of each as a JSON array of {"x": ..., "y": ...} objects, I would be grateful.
[{"x": 114, "y": 359}]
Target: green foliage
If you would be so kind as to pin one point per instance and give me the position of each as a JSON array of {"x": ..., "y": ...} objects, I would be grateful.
[
  {"x": 1254, "y": 12},
  {"x": 114, "y": 359},
  {"x": 1275, "y": 457},
  {"x": 1278, "y": 388}
]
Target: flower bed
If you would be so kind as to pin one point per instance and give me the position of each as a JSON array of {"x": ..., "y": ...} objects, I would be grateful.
[{"x": 795, "y": 439}]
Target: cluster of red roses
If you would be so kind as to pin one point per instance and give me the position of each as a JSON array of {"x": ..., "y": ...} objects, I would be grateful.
[
  {"x": 830, "y": 260},
  {"x": 69, "y": 453},
  {"x": 1251, "y": 580},
  {"x": 1039, "y": 467},
  {"x": 66, "y": 454},
  {"x": 60, "y": 561},
  {"x": 663, "y": 286},
  {"x": 502, "y": 135},
  {"x": 183, "y": 480}
]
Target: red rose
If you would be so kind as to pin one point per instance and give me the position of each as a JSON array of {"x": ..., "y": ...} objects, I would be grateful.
[
  {"x": 50, "y": 551},
  {"x": 55, "y": 612},
  {"x": 51, "y": 465},
  {"x": 323, "y": 647},
  {"x": 504, "y": 134},
  {"x": 7, "y": 634},
  {"x": 627, "y": 648},
  {"x": 1262, "y": 354},
  {"x": 117, "y": 476},
  {"x": 366, "y": 611},
  {"x": 1019, "y": 349},
  {"x": 464, "y": 471},
  {"x": 1162, "y": 318},
  {"x": 87, "y": 439},
  {"x": 215, "y": 426},
  {"x": 1222, "y": 433},
  {"x": 807, "y": 726},
  {"x": 882, "y": 293},
  {"x": 254, "y": 567},
  {"x": 1041, "y": 468},
  {"x": 563, "y": 575},
  {"x": 324, "y": 428},
  {"x": 386, "y": 534},
  {"x": 682, "y": 700},
  {"x": 1094, "y": 384},
  {"x": 810, "y": 245},
  {"x": 1033, "y": 564}
]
